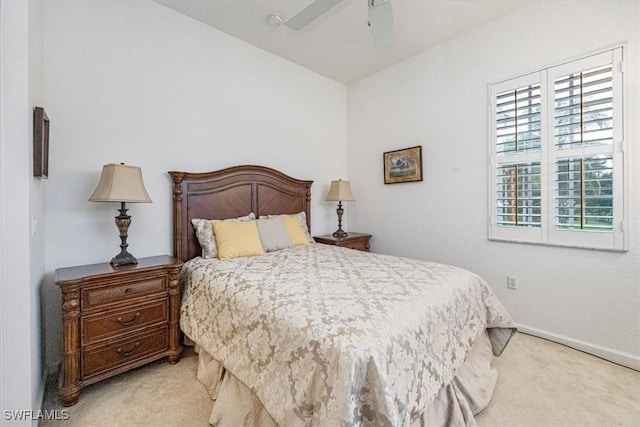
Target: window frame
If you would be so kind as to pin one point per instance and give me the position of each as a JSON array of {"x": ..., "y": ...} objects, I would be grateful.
[{"x": 547, "y": 233}]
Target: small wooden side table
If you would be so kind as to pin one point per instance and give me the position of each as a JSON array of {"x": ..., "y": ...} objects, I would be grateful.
[
  {"x": 116, "y": 319},
  {"x": 359, "y": 241}
]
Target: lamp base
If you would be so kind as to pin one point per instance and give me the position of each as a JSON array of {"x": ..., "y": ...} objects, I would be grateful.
[
  {"x": 122, "y": 222},
  {"x": 123, "y": 258},
  {"x": 340, "y": 233}
]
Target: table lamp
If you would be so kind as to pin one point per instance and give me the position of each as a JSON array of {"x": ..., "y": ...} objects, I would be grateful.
[
  {"x": 340, "y": 191},
  {"x": 121, "y": 183}
]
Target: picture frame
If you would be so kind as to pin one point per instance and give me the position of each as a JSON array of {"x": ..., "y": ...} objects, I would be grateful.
[
  {"x": 40, "y": 143},
  {"x": 403, "y": 165}
]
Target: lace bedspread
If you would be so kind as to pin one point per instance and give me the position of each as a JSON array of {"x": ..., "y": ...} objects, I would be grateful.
[{"x": 328, "y": 336}]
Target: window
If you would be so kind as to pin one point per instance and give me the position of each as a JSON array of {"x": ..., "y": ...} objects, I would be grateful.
[{"x": 557, "y": 147}]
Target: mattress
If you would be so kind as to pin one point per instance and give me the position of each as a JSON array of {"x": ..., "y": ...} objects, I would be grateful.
[{"x": 323, "y": 335}]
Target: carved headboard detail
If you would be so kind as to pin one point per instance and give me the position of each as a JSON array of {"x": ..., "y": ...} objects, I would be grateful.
[{"x": 229, "y": 193}]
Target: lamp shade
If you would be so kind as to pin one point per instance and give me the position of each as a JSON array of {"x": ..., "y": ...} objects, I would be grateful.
[
  {"x": 120, "y": 183},
  {"x": 340, "y": 191}
]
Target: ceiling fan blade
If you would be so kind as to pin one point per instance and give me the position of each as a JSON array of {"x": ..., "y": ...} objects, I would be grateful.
[
  {"x": 310, "y": 13},
  {"x": 381, "y": 22}
]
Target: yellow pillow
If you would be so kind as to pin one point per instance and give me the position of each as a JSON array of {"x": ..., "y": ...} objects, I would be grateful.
[
  {"x": 237, "y": 239},
  {"x": 295, "y": 231}
]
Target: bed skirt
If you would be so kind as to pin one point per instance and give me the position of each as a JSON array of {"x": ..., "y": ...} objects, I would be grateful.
[{"x": 456, "y": 404}]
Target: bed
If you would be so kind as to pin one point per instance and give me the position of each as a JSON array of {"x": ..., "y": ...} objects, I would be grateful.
[{"x": 319, "y": 335}]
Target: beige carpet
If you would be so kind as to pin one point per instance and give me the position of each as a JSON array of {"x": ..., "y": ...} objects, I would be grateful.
[{"x": 541, "y": 384}]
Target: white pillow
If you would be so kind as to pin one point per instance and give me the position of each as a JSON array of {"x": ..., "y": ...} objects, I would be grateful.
[{"x": 204, "y": 233}]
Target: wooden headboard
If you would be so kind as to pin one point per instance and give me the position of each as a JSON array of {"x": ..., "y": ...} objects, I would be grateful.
[{"x": 229, "y": 193}]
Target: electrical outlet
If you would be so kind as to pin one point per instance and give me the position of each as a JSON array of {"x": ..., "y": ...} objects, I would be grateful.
[{"x": 512, "y": 282}]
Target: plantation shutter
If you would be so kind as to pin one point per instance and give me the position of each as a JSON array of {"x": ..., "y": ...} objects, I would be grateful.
[
  {"x": 518, "y": 120},
  {"x": 557, "y": 155},
  {"x": 587, "y": 160},
  {"x": 516, "y": 158}
]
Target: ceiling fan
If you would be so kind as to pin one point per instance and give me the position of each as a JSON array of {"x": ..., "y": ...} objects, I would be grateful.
[{"x": 380, "y": 19}]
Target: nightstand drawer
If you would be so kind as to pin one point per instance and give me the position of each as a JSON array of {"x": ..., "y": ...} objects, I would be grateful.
[
  {"x": 361, "y": 245},
  {"x": 99, "y": 326},
  {"x": 120, "y": 353},
  {"x": 101, "y": 296}
]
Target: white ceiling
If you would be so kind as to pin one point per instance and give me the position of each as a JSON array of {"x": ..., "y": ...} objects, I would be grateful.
[{"x": 339, "y": 44}]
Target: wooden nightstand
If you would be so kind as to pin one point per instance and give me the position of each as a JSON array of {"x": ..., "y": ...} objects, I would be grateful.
[
  {"x": 117, "y": 318},
  {"x": 357, "y": 241}
]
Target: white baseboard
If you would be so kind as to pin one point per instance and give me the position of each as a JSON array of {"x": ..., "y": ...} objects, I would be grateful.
[
  {"x": 621, "y": 358},
  {"x": 39, "y": 406}
]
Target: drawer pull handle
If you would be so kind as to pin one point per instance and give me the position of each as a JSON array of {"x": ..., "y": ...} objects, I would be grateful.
[
  {"x": 129, "y": 322},
  {"x": 127, "y": 353}
]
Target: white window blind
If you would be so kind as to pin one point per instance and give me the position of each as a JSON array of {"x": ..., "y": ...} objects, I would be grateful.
[
  {"x": 519, "y": 198},
  {"x": 557, "y": 152},
  {"x": 584, "y": 193},
  {"x": 518, "y": 120},
  {"x": 583, "y": 108}
]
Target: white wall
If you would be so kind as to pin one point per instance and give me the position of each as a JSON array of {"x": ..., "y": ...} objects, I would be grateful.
[
  {"x": 135, "y": 82},
  {"x": 438, "y": 99},
  {"x": 37, "y": 192},
  {"x": 21, "y": 198}
]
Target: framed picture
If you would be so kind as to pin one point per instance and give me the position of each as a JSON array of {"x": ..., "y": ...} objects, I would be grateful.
[
  {"x": 40, "y": 143},
  {"x": 403, "y": 165}
]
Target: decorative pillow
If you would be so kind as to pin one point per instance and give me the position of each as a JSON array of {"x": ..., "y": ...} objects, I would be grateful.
[
  {"x": 295, "y": 231},
  {"x": 273, "y": 234},
  {"x": 237, "y": 239},
  {"x": 204, "y": 233},
  {"x": 302, "y": 218}
]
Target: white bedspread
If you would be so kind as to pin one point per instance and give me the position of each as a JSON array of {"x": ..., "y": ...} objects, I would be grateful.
[{"x": 329, "y": 336}]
